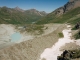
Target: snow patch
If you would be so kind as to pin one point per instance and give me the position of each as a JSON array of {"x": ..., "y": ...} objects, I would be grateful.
[{"x": 54, "y": 51}]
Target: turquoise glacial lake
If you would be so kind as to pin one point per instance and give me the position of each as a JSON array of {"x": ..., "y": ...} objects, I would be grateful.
[{"x": 16, "y": 37}]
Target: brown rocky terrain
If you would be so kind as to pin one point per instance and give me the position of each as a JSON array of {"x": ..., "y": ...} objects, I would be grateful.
[{"x": 31, "y": 49}]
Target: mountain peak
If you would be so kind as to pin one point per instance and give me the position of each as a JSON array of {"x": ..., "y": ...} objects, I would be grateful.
[
  {"x": 17, "y": 15},
  {"x": 72, "y": 4},
  {"x": 33, "y": 10},
  {"x": 19, "y": 9},
  {"x": 71, "y": 0},
  {"x": 65, "y": 13}
]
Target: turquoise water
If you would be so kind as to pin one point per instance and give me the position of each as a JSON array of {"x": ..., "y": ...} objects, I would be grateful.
[{"x": 16, "y": 37}]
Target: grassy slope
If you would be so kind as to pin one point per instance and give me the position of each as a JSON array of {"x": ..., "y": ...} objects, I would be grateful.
[
  {"x": 51, "y": 18},
  {"x": 12, "y": 16}
]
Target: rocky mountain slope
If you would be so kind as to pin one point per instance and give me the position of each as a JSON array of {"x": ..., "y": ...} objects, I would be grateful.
[
  {"x": 18, "y": 16},
  {"x": 31, "y": 49},
  {"x": 70, "y": 12}
]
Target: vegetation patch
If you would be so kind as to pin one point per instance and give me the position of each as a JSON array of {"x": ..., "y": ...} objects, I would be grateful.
[
  {"x": 74, "y": 28},
  {"x": 61, "y": 35},
  {"x": 37, "y": 29},
  {"x": 77, "y": 27},
  {"x": 77, "y": 35}
]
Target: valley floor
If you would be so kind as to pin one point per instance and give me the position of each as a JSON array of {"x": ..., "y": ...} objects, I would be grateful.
[
  {"x": 31, "y": 49},
  {"x": 35, "y": 49},
  {"x": 9, "y": 33}
]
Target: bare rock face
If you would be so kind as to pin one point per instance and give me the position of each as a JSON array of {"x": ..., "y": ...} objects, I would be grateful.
[
  {"x": 59, "y": 11},
  {"x": 72, "y": 4},
  {"x": 69, "y": 55},
  {"x": 77, "y": 3},
  {"x": 71, "y": 0}
]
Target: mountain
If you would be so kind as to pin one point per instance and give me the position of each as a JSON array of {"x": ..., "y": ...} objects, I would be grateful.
[
  {"x": 19, "y": 16},
  {"x": 34, "y": 11},
  {"x": 33, "y": 49},
  {"x": 19, "y": 9},
  {"x": 70, "y": 13}
]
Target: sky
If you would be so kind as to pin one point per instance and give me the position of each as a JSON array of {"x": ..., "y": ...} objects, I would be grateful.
[{"x": 41, "y": 5}]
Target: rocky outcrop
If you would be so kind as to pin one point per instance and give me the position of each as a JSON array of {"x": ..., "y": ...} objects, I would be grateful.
[
  {"x": 66, "y": 55},
  {"x": 72, "y": 4},
  {"x": 77, "y": 26},
  {"x": 69, "y": 54}
]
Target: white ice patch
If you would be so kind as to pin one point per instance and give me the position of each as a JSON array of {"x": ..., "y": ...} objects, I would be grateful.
[
  {"x": 54, "y": 51},
  {"x": 69, "y": 26}
]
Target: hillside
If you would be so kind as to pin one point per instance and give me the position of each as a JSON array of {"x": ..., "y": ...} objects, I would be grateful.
[
  {"x": 69, "y": 13},
  {"x": 19, "y": 16}
]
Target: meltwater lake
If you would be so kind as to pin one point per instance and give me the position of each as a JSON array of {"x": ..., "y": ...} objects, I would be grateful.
[{"x": 16, "y": 37}]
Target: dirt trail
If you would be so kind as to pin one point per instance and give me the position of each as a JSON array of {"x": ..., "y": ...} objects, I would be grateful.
[{"x": 31, "y": 49}]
